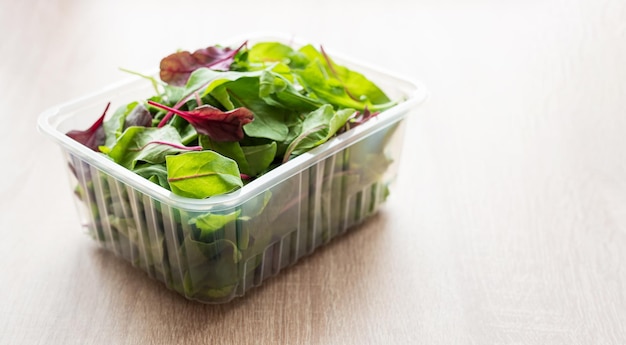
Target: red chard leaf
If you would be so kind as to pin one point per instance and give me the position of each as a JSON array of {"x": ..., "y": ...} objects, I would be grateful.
[
  {"x": 217, "y": 124},
  {"x": 176, "y": 68},
  {"x": 92, "y": 137}
]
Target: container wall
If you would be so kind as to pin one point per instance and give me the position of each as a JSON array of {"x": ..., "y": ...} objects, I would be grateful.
[{"x": 213, "y": 257}]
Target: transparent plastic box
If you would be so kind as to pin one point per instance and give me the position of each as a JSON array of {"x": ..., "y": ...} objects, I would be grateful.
[{"x": 281, "y": 216}]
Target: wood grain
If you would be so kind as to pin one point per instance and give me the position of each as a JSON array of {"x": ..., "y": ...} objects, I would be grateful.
[{"x": 507, "y": 224}]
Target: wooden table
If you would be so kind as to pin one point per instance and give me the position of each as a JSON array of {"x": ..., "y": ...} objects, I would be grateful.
[{"x": 507, "y": 224}]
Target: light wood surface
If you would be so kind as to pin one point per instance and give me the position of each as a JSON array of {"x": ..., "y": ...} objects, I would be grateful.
[{"x": 507, "y": 224}]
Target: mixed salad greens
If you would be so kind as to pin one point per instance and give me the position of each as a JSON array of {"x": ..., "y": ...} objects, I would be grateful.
[{"x": 221, "y": 117}]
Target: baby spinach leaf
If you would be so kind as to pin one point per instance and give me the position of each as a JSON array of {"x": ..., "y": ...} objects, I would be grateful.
[
  {"x": 206, "y": 80},
  {"x": 269, "y": 121},
  {"x": 277, "y": 91},
  {"x": 339, "y": 85},
  {"x": 146, "y": 145},
  {"x": 114, "y": 126},
  {"x": 131, "y": 114},
  {"x": 202, "y": 174},
  {"x": 269, "y": 52},
  {"x": 231, "y": 150},
  {"x": 263, "y": 53},
  {"x": 211, "y": 222},
  {"x": 318, "y": 126},
  {"x": 259, "y": 157},
  {"x": 156, "y": 173}
]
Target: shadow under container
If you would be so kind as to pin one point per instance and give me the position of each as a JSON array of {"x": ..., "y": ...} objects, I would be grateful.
[{"x": 215, "y": 249}]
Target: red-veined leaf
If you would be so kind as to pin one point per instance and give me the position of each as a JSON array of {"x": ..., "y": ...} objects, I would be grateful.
[
  {"x": 92, "y": 137},
  {"x": 217, "y": 124},
  {"x": 176, "y": 68}
]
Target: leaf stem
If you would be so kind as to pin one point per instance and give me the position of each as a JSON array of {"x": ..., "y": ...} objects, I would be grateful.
[{"x": 169, "y": 109}]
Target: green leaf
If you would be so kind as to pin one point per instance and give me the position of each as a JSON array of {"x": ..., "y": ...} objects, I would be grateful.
[
  {"x": 259, "y": 157},
  {"x": 211, "y": 222},
  {"x": 317, "y": 128},
  {"x": 156, "y": 173},
  {"x": 211, "y": 268},
  {"x": 269, "y": 121},
  {"x": 202, "y": 174},
  {"x": 271, "y": 52},
  {"x": 141, "y": 144},
  {"x": 339, "y": 85},
  {"x": 265, "y": 52},
  {"x": 173, "y": 93},
  {"x": 221, "y": 95},
  {"x": 208, "y": 79},
  {"x": 230, "y": 149},
  {"x": 277, "y": 91},
  {"x": 114, "y": 126}
]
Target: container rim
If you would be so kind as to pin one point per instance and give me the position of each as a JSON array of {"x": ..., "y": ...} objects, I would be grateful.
[{"x": 414, "y": 94}]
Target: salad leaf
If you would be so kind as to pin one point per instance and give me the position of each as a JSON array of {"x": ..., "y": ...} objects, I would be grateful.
[
  {"x": 211, "y": 222},
  {"x": 132, "y": 114},
  {"x": 93, "y": 136},
  {"x": 259, "y": 157},
  {"x": 317, "y": 128},
  {"x": 202, "y": 174},
  {"x": 156, "y": 173},
  {"x": 114, "y": 126},
  {"x": 139, "y": 116},
  {"x": 217, "y": 124},
  {"x": 339, "y": 85},
  {"x": 231, "y": 150},
  {"x": 269, "y": 121},
  {"x": 149, "y": 145},
  {"x": 264, "y": 53},
  {"x": 201, "y": 81},
  {"x": 177, "y": 67},
  {"x": 270, "y": 52},
  {"x": 359, "y": 118},
  {"x": 277, "y": 91}
]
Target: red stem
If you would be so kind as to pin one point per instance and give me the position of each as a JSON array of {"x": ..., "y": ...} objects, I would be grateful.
[
  {"x": 169, "y": 109},
  {"x": 98, "y": 123}
]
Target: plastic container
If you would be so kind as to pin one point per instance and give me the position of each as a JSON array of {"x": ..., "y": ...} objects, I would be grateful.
[{"x": 281, "y": 216}]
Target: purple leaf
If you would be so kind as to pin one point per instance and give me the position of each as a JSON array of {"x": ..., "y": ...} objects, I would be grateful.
[
  {"x": 139, "y": 116},
  {"x": 176, "y": 68},
  {"x": 94, "y": 136},
  {"x": 217, "y": 124}
]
